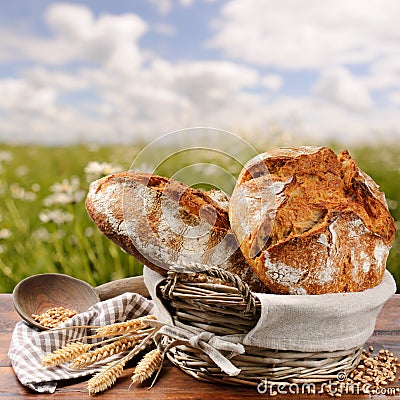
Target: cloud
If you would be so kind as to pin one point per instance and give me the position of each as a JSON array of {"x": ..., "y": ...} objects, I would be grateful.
[
  {"x": 163, "y": 6},
  {"x": 272, "y": 82},
  {"x": 17, "y": 47},
  {"x": 340, "y": 87},
  {"x": 186, "y": 3},
  {"x": 166, "y": 96},
  {"x": 394, "y": 98},
  {"x": 199, "y": 79},
  {"x": 72, "y": 21},
  {"x": 145, "y": 102},
  {"x": 290, "y": 35},
  {"x": 308, "y": 120},
  {"x": 91, "y": 79},
  {"x": 110, "y": 41},
  {"x": 40, "y": 77},
  {"x": 384, "y": 73},
  {"x": 31, "y": 114},
  {"x": 19, "y": 95},
  {"x": 164, "y": 29}
]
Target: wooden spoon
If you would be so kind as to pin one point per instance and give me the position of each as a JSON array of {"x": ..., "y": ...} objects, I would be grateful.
[{"x": 37, "y": 293}]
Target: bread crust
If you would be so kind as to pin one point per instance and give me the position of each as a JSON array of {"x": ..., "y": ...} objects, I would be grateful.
[
  {"x": 161, "y": 221},
  {"x": 315, "y": 222}
]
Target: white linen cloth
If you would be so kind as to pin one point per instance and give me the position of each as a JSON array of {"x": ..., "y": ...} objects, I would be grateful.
[{"x": 307, "y": 323}]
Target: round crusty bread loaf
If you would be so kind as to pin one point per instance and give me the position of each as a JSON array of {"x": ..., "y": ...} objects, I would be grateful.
[
  {"x": 311, "y": 222},
  {"x": 161, "y": 221}
]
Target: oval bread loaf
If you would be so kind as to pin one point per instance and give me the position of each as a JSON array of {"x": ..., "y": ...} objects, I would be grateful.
[
  {"x": 311, "y": 222},
  {"x": 161, "y": 221}
]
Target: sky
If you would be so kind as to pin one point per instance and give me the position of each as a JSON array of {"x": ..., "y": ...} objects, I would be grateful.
[{"x": 133, "y": 70}]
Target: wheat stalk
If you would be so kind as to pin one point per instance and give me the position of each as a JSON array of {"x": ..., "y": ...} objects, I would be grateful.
[
  {"x": 109, "y": 374},
  {"x": 127, "y": 335},
  {"x": 103, "y": 352},
  {"x": 106, "y": 377},
  {"x": 121, "y": 328},
  {"x": 66, "y": 353},
  {"x": 149, "y": 364}
]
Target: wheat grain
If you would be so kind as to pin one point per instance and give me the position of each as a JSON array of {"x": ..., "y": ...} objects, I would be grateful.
[
  {"x": 372, "y": 372},
  {"x": 66, "y": 353},
  {"x": 121, "y": 328},
  {"x": 106, "y": 377},
  {"x": 103, "y": 352},
  {"x": 54, "y": 316},
  {"x": 149, "y": 364}
]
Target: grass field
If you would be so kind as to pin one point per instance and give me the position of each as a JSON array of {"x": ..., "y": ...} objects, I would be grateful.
[{"x": 44, "y": 226}]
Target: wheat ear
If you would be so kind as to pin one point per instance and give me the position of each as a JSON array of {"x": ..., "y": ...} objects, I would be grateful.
[
  {"x": 66, "y": 353},
  {"x": 121, "y": 328},
  {"x": 146, "y": 367},
  {"x": 106, "y": 377},
  {"x": 103, "y": 352},
  {"x": 109, "y": 374}
]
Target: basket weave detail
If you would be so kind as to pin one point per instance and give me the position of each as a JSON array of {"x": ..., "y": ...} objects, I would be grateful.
[{"x": 228, "y": 307}]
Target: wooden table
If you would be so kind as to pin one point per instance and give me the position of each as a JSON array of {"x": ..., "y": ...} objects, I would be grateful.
[{"x": 174, "y": 384}]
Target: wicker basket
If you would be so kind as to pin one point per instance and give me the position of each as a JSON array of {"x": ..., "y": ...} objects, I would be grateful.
[{"x": 229, "y": 308}]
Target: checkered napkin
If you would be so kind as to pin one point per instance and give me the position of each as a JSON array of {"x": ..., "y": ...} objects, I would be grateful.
[{"x": 28, "y": 346}]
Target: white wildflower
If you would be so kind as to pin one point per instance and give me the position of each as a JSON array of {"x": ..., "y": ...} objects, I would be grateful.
[
  {"x": 392, "y": 204},
  {"x": 95, "y": 170},
  {"x": 89, "y": 231},
  {"x": 64, "y": 198},
  {"x": 29, "y": 196},
  {"x": 35, "y": 187},
  {"x": 5, "y": 156},
  {"x": 5, "y": 233},
  {"x": 66, "y": 185},
  {"x": 22, "y": 170},
  {"x": 16, "y": 191},
  {"x": 59, "y": 234},
  {"x": 57, "y": 216},
  {"x": 41, "y": 235},
  {"x": 65, "y": 192},
  {"x": 143, "y": 168}
]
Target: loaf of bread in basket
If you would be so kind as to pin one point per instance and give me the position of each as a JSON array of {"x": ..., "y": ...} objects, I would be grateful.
[
  {"x": 311, "y": 222},
  {"x": 161, "y": 221}
]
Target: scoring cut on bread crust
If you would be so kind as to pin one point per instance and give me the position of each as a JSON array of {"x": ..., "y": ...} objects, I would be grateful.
[
  {"x": 311, "y": 222},
  {"x": 161, "y": 221}
]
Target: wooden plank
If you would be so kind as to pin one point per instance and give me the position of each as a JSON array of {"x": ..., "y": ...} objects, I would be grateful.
[{"x": 173, "y": 383}]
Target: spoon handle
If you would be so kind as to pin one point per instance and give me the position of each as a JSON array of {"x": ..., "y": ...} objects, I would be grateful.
[{"x": 111, "y": 289}]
